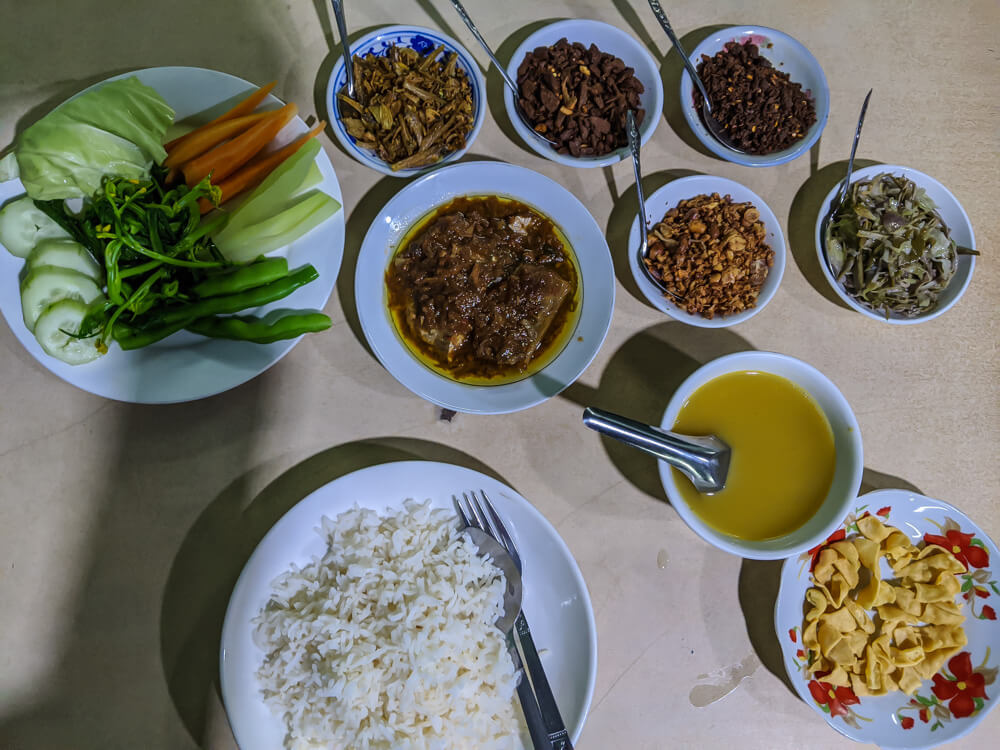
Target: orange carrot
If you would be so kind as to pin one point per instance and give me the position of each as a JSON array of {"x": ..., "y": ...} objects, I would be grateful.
[
  {"x": 226, "y": 158},
  {"x": 208, "y": 137},
  {"x": 245, "y": 107},
  {"x": 253, "y": 173}
]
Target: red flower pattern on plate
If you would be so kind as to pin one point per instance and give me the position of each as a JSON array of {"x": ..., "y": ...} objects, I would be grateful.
[
  {"x": 836, "y": 700},
  {"x": 961, "y": 691},
  {"x": 960, "y": 545}
]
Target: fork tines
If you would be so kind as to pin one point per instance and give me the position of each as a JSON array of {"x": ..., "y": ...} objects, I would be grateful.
[{"x": 481, "y": 514}]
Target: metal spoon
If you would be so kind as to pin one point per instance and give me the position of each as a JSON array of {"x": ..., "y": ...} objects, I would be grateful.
[
  {"x": 512, "y": 595},
  {"x": 713, "y": 125},
  {"x": 633, "y": 144},
  {"x": 845, "y": 186},
  {"x": 338, "y": 13},
  {"x": 703, "y": 460},
  {"x": 507, "y": 79}
]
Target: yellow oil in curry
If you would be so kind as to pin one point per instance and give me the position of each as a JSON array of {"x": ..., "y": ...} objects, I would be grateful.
[
  {"x": 783, "y": 454},
  {"x": 555, "y": 339}
]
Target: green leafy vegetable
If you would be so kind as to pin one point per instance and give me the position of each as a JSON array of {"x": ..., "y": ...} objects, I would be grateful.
[
  {"x": 114, "y": 130},
  {"x": 889, "y": 248}
]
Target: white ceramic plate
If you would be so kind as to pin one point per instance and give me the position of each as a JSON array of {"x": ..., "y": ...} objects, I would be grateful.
[
  {"x": 608, "y": 39},
  {"x": 788, "y": 56},
  {"x": 937, "y": 712},
  {"x": 668, "y": 197},
  {"x": 951, "y": 213},
  {"x": 186, "y": 367},
  {"x": 486, "y": 178},
  {"x": 422, "y": 40},
  {"x": 556, "y": 602}
]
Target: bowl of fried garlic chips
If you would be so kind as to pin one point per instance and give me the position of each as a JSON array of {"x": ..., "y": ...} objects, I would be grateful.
[{"x": 888, "y": 629}]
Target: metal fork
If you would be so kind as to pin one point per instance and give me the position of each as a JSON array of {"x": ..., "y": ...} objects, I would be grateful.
[{"x": 482, "y": 515}]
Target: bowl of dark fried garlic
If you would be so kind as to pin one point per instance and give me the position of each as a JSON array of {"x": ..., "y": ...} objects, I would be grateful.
[
  {"x": 900, "y": 247},
  {"x": 419, "y": 100},
  {"x": 715, "y": 246},
  {"x": 576, "y": 81}
]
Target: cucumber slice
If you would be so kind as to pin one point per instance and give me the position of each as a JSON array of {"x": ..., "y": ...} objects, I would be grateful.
[
  {"x": 50, "y": 330},
  {"x": 45, "y": 286},
  {"x": 23, "y": 224},
  {"x": 65, "y": 254}
]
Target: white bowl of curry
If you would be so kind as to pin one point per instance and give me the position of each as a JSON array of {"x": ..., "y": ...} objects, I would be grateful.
[{"x": 485, "y": 287}]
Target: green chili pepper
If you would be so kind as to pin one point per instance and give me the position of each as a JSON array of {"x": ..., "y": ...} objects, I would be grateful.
[
  {"x": 261, "y": 330},
  {"x": 243, "y": 278},
  {"x": 234, "y": 303}
]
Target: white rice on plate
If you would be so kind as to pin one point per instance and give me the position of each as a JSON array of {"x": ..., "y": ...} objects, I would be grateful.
[{"x": 388, "y": 641}]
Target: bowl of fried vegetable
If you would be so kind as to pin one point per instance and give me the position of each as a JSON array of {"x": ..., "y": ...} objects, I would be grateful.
[
  {"x": 576, "y": 81},
  {"x": 420, "y": 100},
  {"x": 900, "y": 247}
]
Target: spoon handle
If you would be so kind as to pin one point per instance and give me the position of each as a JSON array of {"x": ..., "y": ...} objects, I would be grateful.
[
  {"x": 338, "y": 13},
  {"x": 692, "y": 71},
  {"x": 479, "y": 38},
  {"x": 633, "y": 144},
  {"x": 693, "y": 457},
  {"x": 841, "y": 194}
]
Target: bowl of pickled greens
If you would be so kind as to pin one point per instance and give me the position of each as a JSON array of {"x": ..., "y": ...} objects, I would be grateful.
[{"x": 898, "y": 248}]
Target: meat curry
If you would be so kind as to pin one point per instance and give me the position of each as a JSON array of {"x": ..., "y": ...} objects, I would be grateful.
[{"x": 484, "y": 290}]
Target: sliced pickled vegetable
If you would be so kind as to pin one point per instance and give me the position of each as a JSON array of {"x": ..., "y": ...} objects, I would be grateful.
[
  {"x": 46, "y": 286},
  {"x": 56, "y": 329},
  {"x": 65, "y": 254},
  {"x": 23, "y": 225}
]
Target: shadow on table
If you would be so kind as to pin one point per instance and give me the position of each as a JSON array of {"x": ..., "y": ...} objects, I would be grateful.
[
  {"x": 802, "y": 222},
  {"x": 639, "y": 380},
  {"x": 623, "y": 213},
  {"x": 218, "y": 545},
  {"x": 760, "y": 581},
  {"x": 104, "y": 688}
]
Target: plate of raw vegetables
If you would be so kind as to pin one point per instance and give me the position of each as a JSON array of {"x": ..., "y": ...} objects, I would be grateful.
[{"x": 167, "y": 234}]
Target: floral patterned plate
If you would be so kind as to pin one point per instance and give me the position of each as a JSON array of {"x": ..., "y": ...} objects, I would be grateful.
[{"x": 965, "y": 689}]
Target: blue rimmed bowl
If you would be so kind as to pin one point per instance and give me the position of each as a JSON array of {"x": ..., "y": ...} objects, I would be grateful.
[{"x": 423, "y": 41}]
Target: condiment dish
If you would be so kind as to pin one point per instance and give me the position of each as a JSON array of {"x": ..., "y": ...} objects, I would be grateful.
[
  {"x": 847, "y": 443},
  {"x": 418, "y": 199},
  {"x": 951, "y": 213},
  {"x": 608, "y": 39},
  {"x": 422, "y": 40},
  {"x": 668, "y": 197},
  {"x": 785, "y": 54}
]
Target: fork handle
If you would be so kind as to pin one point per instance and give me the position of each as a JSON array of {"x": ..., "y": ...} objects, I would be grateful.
[
  {"x": 557, "y": 738},
  {"x": 529, "y": 704}
]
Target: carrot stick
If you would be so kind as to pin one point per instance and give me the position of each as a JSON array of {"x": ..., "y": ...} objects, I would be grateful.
[
  {"x": 253, "y": 173},
  {"x": 208, "y": 137},
  {"x": 245, "y": 107},
  {"x": 226, "y": 158}
]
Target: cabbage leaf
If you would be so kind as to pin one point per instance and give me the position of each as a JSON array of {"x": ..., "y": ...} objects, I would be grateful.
[{"x": 116, "y": 129}]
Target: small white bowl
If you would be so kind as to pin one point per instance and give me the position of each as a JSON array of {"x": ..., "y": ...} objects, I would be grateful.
[
  {"x": 954, "y": 217},
  {"x": 421, "y": 39},
  {"x": 847, "y": 442},
  {"x": 608, "y": 39},
  {"x": 788, "y": 56},
  {"x": 668, "y": 197}
]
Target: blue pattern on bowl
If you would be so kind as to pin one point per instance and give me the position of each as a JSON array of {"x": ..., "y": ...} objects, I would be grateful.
[{"x": 423, "y": 42}]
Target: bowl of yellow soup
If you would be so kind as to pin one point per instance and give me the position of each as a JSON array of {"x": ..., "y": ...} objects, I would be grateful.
[{"x": 796, "y": 461}]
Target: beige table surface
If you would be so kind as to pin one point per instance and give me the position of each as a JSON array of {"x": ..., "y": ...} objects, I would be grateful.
[{"x": 123, "y": 527}]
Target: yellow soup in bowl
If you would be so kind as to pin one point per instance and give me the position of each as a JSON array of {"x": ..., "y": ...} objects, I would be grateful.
[{"x": 783, "y": 454}]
